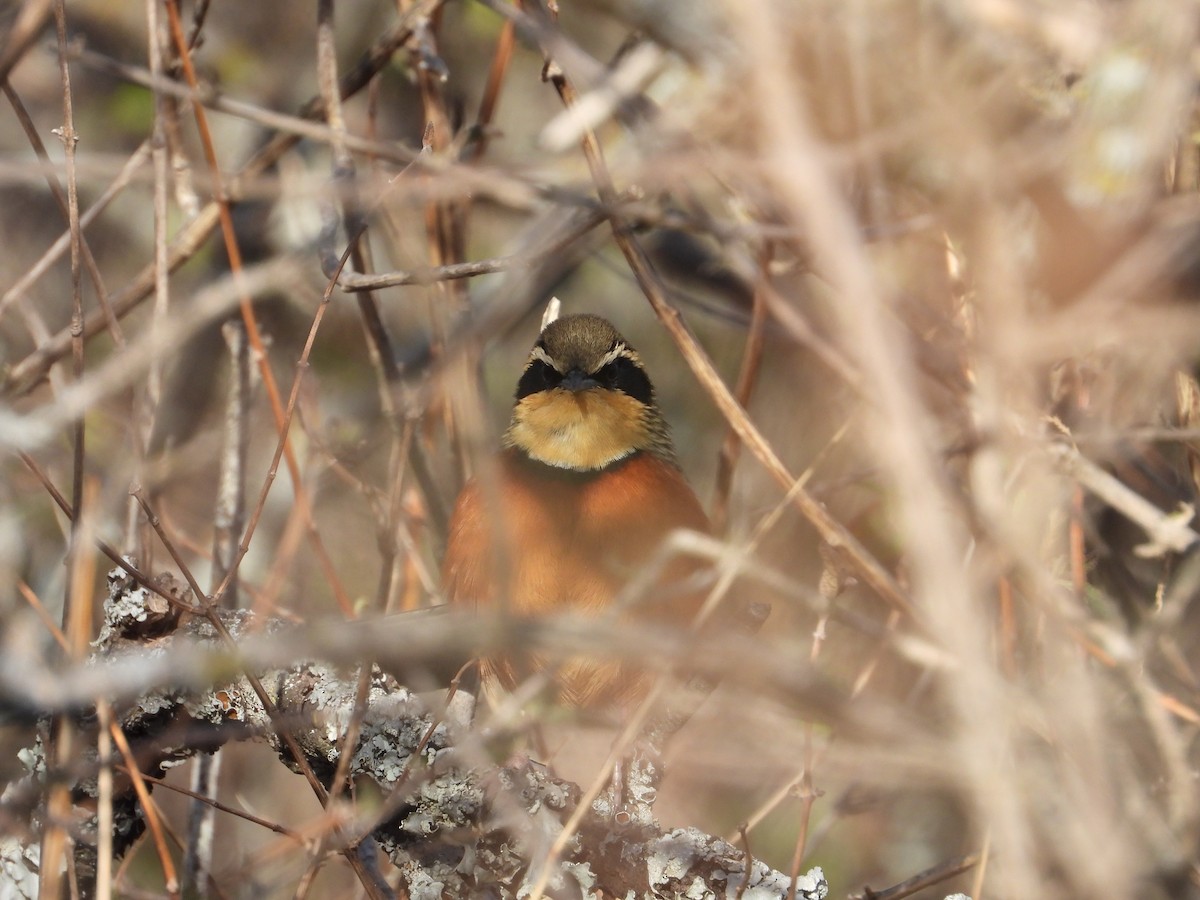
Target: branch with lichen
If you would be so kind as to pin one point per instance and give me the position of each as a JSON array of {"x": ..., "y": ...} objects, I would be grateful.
[{"x": 452, "y": 826}]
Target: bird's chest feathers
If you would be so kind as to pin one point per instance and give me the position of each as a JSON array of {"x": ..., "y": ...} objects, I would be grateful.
[
  {"x": 578, "y": 430},
  {"x": 581, "y": 539}
]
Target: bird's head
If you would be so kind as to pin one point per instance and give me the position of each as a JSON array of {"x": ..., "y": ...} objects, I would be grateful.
[{"x": 584, "y": 401}]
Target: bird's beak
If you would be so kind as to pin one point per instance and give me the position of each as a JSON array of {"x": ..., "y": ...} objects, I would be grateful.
[{"x": 575, "y": 381}]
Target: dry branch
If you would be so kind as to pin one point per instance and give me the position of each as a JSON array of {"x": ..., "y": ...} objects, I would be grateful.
[{"x": 450, "y": 828}]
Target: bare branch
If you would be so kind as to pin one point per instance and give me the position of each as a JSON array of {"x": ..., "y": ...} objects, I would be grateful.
[{"x": 446, "y": 809}]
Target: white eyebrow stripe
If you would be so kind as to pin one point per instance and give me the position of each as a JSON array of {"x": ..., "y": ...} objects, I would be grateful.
[
  {"x": 616, "y": 352},
  {"x": 539, "y": 354}
]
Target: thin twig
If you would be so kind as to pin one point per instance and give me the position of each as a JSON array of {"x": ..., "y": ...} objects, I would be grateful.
[
  {"x": 76, "y": 225},
  {"x": 445, "y": 234},
  {"x": 120, "y": 371},
  {"x": 1168, "y": 532},
  {"x": 931, "y": 876},
  {"x": 152, "y": 814},
  {"x": 808, "y": 793},
  {"x": 808, "y": 796},
  {"x": 742, "y": 832},
  {"x": 104, "y": 807},
  {"x": 69, "y": 141},
  {"x": 380, "y": 347},
  {"x": 747, "y": 377},
  {"x": 27, "y": 373},
  {"x": 138, "y": 536},
  {"x": 789, "y": 789},
  {"x": 69, "y": 511},
  {"x": 211, "y": 97},
  {"x": 985, "y": 855},
  {"x": 40, "y": 611},
  {"x": 217, "y": 805},
  {"x": 253, "y": 334},
  {"x": 208, "y": 608},
  {"x": 229, "y": 514},
  {"x": 289, "y": 412},
  {"x": 62, "y": 732},
  {"x": 491, "y": 91}
]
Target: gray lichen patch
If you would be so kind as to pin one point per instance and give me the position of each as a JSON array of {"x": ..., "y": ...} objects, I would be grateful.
[
  {"x": 134, "y": 611},
  {"x": 687, "y": 863}
]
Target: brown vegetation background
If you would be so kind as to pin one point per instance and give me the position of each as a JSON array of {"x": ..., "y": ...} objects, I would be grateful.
[{"x": 943, "y": 256}]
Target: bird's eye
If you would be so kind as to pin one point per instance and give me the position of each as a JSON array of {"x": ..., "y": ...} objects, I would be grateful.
[
  {"x": 624, "y": 375},
  {"x": 538, "y": 376}
]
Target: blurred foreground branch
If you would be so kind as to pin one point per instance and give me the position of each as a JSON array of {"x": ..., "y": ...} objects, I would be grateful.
[{"x": 450, "y": 825}]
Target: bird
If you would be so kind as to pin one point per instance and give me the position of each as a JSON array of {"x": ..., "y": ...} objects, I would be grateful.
[{"x": 584, "y": 492}]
